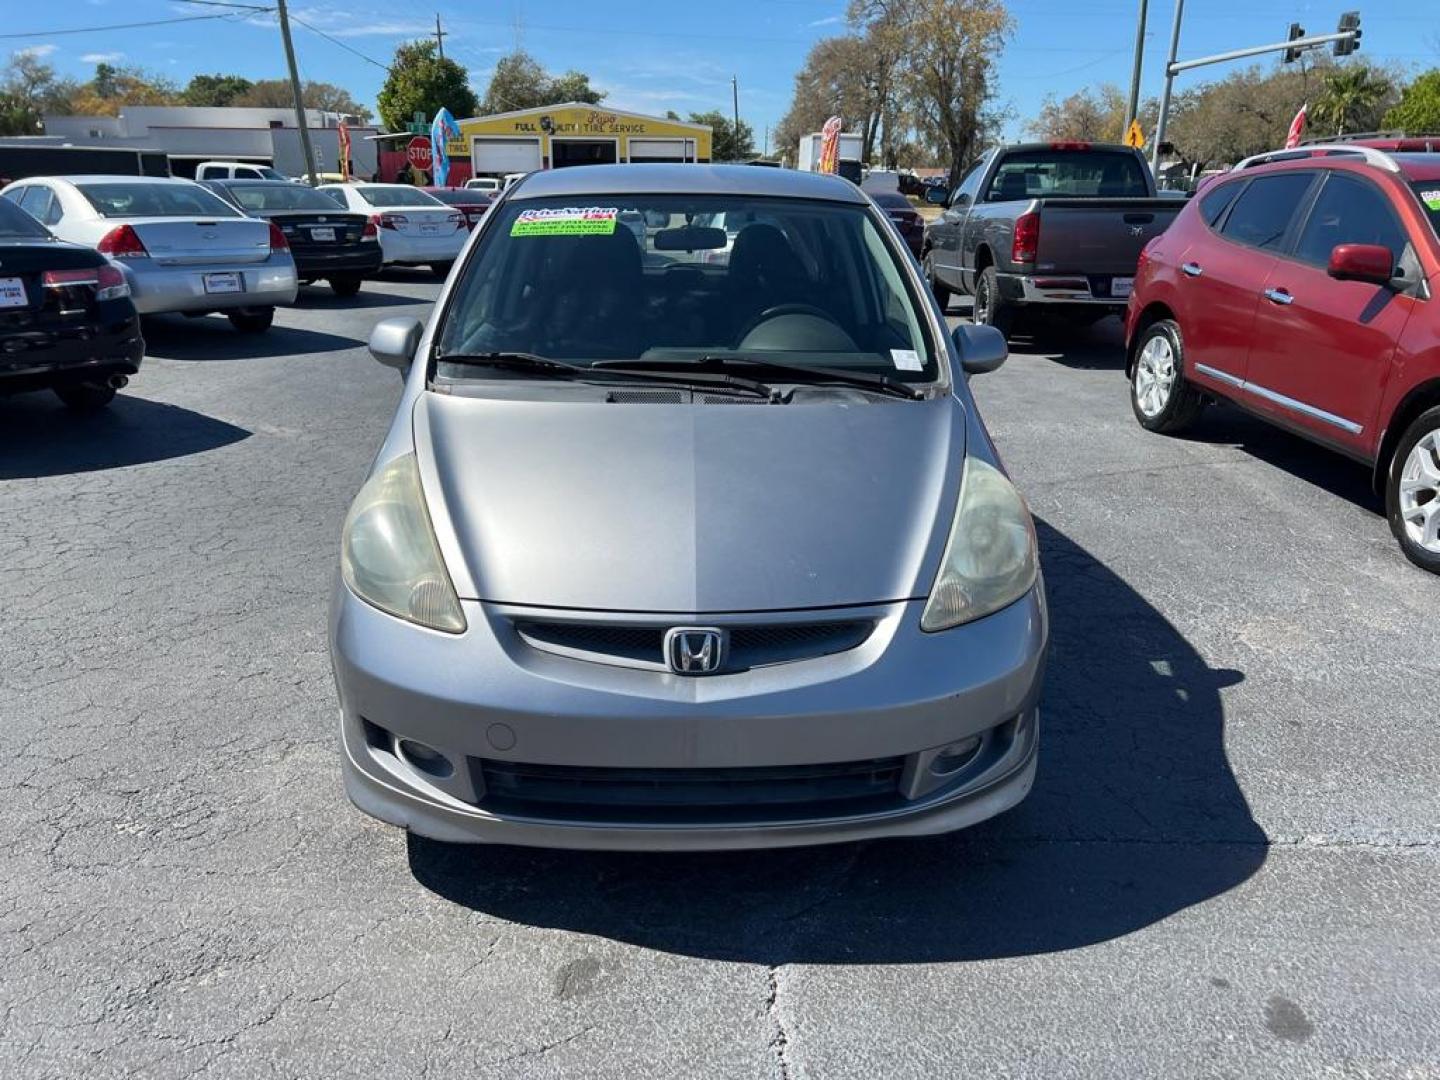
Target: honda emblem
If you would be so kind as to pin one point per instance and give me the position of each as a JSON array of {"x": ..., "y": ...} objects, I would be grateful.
[{"x": 695, "y": 650}]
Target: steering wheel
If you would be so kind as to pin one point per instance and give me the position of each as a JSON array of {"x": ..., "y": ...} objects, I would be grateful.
[{"x": 785, "y": 309}]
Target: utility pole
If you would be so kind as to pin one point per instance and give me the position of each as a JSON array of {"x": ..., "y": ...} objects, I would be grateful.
[
  {"x": 1132, "y": 107},
  {"x": 284, "y": 17},
  {"x": 1169, "y": 86},
  {"x": 735, "y": 89},
  {"x": 439, "y": 36}
]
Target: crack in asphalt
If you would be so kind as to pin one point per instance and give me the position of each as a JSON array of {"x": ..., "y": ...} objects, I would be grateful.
[{"x": 780, "y": 1039}]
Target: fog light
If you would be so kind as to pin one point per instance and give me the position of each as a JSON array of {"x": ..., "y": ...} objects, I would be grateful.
[
  {"x": 425, "y": 758},
  {"x": 956, "y": 756}
]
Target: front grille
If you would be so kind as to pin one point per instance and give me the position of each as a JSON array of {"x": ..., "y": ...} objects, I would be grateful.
[
  {"x": 766, "y": 793},
  {"x": 751, "y": 646}
]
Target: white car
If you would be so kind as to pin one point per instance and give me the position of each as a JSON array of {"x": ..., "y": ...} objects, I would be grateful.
[
  {"x": 236, "y": 170},
  {"x": 483, "y": 183},
  {"x": 416, "y": 229},
  {"x": 182, "y": 248}
]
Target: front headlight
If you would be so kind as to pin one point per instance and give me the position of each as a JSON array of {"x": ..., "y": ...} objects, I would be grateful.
[
  {"x": 990, "y": 560},
  {"x": 388, "y": 554}
]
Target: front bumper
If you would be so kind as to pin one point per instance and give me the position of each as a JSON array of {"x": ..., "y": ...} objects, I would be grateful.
[
  {"x": 1092, "y": 290},
  {"x": 488, "y": 702},
  {"x": 157, "y": 287}
]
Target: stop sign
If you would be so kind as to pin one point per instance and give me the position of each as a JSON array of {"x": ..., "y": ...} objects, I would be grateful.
[{"x": 417, "y": 152}]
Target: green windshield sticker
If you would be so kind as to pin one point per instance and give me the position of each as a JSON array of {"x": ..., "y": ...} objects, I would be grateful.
[
  {"x": 1431, "y": 199},
  {"x": 569, "y": 221}
]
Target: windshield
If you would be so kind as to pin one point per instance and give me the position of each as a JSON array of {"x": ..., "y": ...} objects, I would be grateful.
[
  {"x": 1429, "y": 193},
  {"x": 15, "y": 222},
  {"x": 1061, "y": 174},
  {"x": 139, "y": 199},
  {"x": 280, "y": 197},
  {"x": 399, "y": 195},
  {"x": 680, "y": 277}
]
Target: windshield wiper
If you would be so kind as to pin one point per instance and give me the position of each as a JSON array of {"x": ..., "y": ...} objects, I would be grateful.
[
  {"x": 799, "y": 373},
  {"x": 624, "y": 369}
]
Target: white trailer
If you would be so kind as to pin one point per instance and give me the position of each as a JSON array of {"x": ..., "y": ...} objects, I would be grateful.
[{"x": 851, "y": 146}]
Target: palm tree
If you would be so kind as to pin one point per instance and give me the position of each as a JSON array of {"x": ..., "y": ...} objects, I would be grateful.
[{"x": 1353, "y": 97}]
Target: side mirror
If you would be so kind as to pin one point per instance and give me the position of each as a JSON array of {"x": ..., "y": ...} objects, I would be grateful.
[
  {"x": 982, "y": 348},
  {"x": 393, "y": 341},
  {"x": 1361, "y": 262},
  {"x": 936, "y": 194}
]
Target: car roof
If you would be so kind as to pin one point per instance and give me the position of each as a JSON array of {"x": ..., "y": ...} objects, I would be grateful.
[
  {"x": 1419, "y": 166},
  {"x": 583, "y": 181},
  {"x": 112, "y": 178}
]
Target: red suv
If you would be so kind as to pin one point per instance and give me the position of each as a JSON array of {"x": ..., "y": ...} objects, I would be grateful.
[{"x": 1301, "y": 286}]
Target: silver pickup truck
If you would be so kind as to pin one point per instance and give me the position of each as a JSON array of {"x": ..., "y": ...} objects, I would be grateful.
[{"x": 1057, "y": 226}]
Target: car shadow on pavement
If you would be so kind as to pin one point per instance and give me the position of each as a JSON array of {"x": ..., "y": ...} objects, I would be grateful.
[
  {"x": 212, "y": 338},
  {"x": 40, "y": 437},
  {"x": 1340, "y": 476},
  {"x": 1135, "y": 816},
  {"x": 322, "y": 297}
]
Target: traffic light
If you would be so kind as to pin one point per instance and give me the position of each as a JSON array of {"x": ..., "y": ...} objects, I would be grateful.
[
  {"x": 1296, "y": 31},
  {"x": 1349, "y": 21}
]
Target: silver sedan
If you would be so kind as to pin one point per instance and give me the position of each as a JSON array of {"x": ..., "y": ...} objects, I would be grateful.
[
  {"x": 679, "y": 543},
  {"x": 181, "y": 247}
]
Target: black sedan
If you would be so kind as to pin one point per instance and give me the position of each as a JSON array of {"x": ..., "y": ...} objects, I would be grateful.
[
  {"x": 327, "y": 241},
  {"x": 906, "y": 218},
  {"x": 67, "y": 322}
]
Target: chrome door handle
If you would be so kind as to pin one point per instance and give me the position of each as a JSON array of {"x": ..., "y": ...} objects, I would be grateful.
[
  {"x": 1279, "y": 296},
  {"x": 1192, "y": 269}
]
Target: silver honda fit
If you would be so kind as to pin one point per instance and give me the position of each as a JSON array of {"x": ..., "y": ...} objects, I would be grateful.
[{"x": 686, "y": 533}]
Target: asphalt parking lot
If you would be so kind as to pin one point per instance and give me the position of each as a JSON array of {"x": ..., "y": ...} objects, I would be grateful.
[{"x": 1228, "y": 866}]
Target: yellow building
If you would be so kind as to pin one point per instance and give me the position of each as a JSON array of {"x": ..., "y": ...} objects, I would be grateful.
[{"x": 574, "y": 134}]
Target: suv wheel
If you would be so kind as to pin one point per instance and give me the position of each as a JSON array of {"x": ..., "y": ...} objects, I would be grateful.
[
  {"x": 941, "y": 291},
  {"x": 990, "y": 309},
  {"x": 1161, "y": 397},
  {"x": 1412, "y": 492}
]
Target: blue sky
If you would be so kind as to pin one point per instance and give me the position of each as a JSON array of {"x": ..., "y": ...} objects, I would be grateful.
[{"x": 651, "y": 55}]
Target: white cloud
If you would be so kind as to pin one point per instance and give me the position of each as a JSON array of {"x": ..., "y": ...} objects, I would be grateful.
[
  {"x": 829, "y": 21},
  {"x": 36, "y": 51},
  {"x": 346, "y": 23},
  {"x": 101, "y": 57}
]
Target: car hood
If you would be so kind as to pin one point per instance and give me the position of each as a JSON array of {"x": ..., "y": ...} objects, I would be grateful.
[{"x": 690, "y": 508}]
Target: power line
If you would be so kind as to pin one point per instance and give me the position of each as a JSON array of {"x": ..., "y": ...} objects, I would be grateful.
[
  {"x": 226, "y": 4},
  {"x": 114, "y": 26},
  {"x": 336, "y": 41}
]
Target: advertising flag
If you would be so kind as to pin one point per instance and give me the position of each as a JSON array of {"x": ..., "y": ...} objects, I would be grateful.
[
  {"x": 344, "y": 133},
  {"x": 830, "y": 146},
  {"x": 1297, "y": 127},
  {"x": 442, "y": 129}
]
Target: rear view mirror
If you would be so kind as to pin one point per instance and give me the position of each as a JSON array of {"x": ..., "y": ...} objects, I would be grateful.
[
  {"x": 982, "y": 348},
  {"x": 393, "y": 341},
  {"x": 690, "y": 238},
  {"x": 936, "y": 195},
  {"x": 1361, "y": 262}
]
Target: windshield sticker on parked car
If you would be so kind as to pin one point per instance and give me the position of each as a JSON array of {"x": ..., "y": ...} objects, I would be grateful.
[
  {"x": 906, "y": 359},
  {"x": 1431, "y": 199},
  {"x": 567, "y": 221}
]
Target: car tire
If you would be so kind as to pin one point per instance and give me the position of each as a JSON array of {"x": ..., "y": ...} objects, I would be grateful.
[
  {"x": 442, "y": 269},
  {"x": 251, "y": 320},
  {"x": 346, "y": 285},
  {"x": 1161, "y": 397},
  {"x": 990, "y": 309},
  {"x": 85, "y": 397},
  {"x": 941, "y": 290},
  {"x": 1412, "y": 484}
]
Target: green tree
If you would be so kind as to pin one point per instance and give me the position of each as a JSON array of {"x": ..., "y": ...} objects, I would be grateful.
[
  {"x": 727, "y": 142},
  {"x": 114, "y": 88},
  {"x": 519, "y": 82},
  {"x": 1353, "y": 98},
  {"x": 28, "y": 90},
  {"x": 1419, "y": 109},
  {"x": 421, "y": 81},
  {"x": 278, "y": 94},
  {"x": 851, "y": 76},
  {"x": 214, "y": 89}
]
